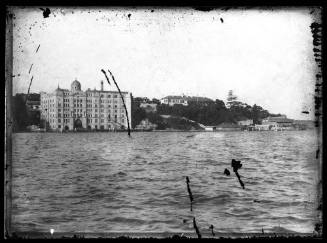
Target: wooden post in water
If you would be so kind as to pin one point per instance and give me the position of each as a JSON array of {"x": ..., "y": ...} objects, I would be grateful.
[
  {"x": 211, "y": 227},
  {"x": 237, "y": 165}
]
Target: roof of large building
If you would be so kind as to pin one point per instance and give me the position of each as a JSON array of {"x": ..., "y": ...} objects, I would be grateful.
[
  {"x": 76, "y": 82},
  {"x": 187, "y": 98},
  {"x": 173, "y": 97}
]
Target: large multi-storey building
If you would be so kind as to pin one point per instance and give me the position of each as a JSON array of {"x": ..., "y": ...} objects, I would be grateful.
[{"x": 75, "y": 109}]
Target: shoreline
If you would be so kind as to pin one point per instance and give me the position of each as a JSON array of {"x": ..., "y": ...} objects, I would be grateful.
[
  {"x": 168, "y": 130},
  {"x": 161, "y": 235}
]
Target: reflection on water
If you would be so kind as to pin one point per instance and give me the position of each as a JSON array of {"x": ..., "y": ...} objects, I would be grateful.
[{"x": 108, "y": 182}]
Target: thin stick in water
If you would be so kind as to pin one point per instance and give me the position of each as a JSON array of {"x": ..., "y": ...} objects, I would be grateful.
[
  {"x": 196, "y": 228},
  {"x": 113, "y": 78},
  {"x": 189, "y": 190},
  {"x": 28, "y": 91},
  {"x": 30, "y": 68}
]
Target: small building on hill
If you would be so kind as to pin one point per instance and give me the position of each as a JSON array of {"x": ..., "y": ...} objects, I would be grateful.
[
  {"x": 247, "y": 122},
  {"x": 149, "y": 107},
  {"x": 146, "y": 125},
  {"x": 183, "y": 100}
]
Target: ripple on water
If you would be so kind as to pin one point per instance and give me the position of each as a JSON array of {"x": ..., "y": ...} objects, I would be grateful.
[{"x": 105, "y": 181}]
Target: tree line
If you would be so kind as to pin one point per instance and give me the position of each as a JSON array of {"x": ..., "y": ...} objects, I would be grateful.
[{"x": 209, "y": 112}]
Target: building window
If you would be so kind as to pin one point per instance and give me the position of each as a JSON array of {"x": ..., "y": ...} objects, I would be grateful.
[
  {"x": 102, "y": 120},
  {"x": 59, "y": 126},
  {"x": 96, "y": 120}
]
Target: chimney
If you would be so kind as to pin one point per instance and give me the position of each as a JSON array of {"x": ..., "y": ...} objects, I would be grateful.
[{"x": 101, "y": 85}]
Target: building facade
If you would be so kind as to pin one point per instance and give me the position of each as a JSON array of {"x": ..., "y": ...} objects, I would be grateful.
[
  {"x": 183, "y": 100},
  {"x": 146, "y": 125},
  {"x": 75, "y": 109},
  {"x": 245, "y": 122},
  {"x": 278, "y": 122},
  {"x": 172, "y": 100},
  {"x": 149, "y": 107}
]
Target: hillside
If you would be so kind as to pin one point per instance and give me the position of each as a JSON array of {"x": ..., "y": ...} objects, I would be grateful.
[{"x": 208, "y": 113}]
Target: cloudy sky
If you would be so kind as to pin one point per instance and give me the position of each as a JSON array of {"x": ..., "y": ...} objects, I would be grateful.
[{"x": 264, "y": 56}]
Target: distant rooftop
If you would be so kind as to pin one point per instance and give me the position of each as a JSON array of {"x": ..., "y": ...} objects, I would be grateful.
[
  {"x": 188, "y": 98},
  {"x": 279, "y": 119},
  {"x": 76, "y": 87}
]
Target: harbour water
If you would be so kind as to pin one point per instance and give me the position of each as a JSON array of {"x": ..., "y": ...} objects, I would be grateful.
[{"x": 108, "y": 182}]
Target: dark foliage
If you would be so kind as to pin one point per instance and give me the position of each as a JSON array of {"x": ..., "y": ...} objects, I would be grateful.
[{"x": 22, "y": 116}]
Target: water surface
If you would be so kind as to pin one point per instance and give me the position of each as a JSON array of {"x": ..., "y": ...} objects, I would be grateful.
[{"x": 108, "y": 182}]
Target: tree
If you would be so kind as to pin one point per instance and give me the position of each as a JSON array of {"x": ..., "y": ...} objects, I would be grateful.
[
  {"x": 231, "y": 99},
  {"x": 20, "y": 114},
  {"x": 156, "y": 101},
  {"x": 138, "y": 114},
  {"x": 258, "y": 113},
  {"x": 220, "y": 104}
]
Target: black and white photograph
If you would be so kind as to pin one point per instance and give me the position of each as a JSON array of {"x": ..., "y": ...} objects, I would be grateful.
[{"x": 163, "y": 122}]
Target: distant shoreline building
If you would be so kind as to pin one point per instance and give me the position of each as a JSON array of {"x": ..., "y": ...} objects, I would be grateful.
[
  {"x": 247, "y": 122},
  {"x": 149, "y": 107},
  {"x": 75, "y": 109},
  {"x": 275, "y": 123}
]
